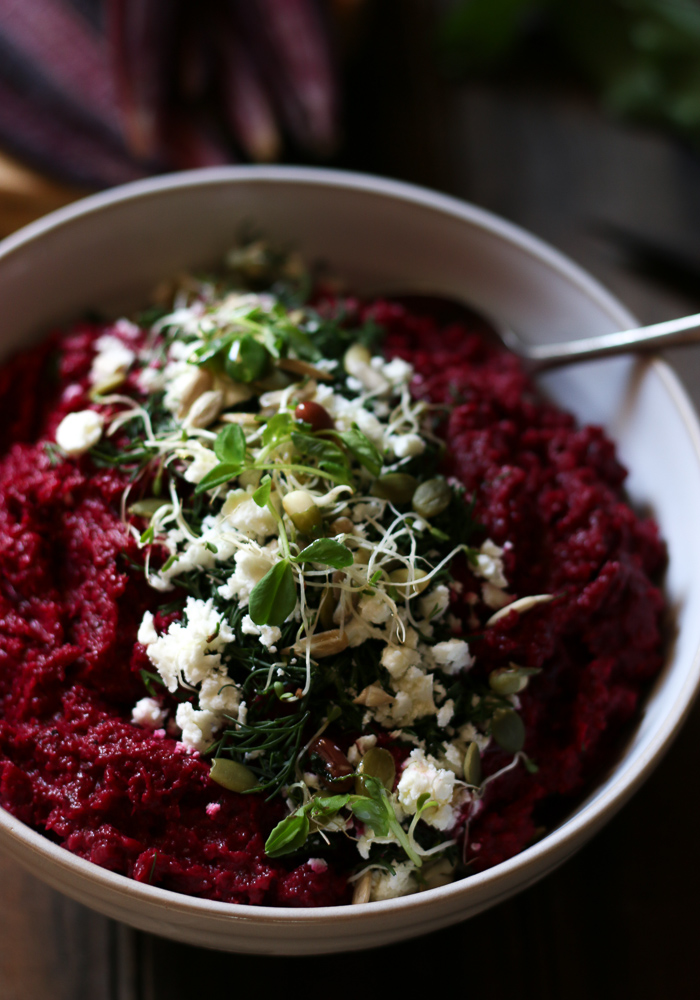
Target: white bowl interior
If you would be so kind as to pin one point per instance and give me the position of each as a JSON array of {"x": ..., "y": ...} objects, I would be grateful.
[{"x": 110, "y": 250}]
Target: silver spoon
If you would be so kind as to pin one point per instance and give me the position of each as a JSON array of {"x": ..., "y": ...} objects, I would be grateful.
[{"x": 537, "y": 357}]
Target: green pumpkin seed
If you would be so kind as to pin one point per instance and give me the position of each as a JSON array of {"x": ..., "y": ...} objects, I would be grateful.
[
  {"x": 511, "y": 680},
  {"x": 432, "y": 498},
  {"x": 107, "y": 386},
  {"x": 146, "y": 508},
  {"x": 232, "y": 775},
  {"x": 472, "y": 765},
  {"x": 397, "y": 487},
  {"x": 508, "y": 730},
  {"x": 377, "y": 763}
]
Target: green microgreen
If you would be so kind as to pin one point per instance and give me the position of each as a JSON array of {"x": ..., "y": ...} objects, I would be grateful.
[
  {"x": 374, "y": 809},
  {"x": 230, "y": 445},
  {"x": 326, "y": 552},
  {"x": 362, "y": 449},
  {"x": 274, "y": 598},
  {"x": 261, "y": 496}
]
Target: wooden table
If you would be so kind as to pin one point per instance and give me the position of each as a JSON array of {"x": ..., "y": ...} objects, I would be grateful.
[{"x": 617, "y": 921}]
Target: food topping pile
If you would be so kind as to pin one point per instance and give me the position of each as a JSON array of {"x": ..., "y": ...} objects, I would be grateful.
[{"x": 372, "y": 605}]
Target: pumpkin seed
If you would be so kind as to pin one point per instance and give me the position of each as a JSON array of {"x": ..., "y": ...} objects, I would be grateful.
[
  {"x": 146, "y": 508},
  {"x": 432, "y": 498},
  {"x": 377, "y": 763},
  {"x": 232, "y": 775},
  {"x": 511, "y": 680},
  {"x": 508, "y": 730},
  {"x": 472, "y": 765},
  {"x": 397, "y": 487}
]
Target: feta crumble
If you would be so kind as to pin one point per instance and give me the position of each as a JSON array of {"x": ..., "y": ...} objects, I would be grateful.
[
  {"x": 78, "y": 432},
  {"x": 422, "y": 774}
]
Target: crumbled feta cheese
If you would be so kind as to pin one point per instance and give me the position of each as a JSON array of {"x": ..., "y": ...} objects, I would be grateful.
[
  {"x": 203, "y": 460},
  {"x": 317, "y": 864},
  {"x": 219, "y": 694},
  {"x": 489, "y": 564},
  {"x": 397, "y": 371},
  {"x": 79, "y": 432},
  {"x": 368, "y": 510},
  {"x": 268, "y": 634},
  {"x": 494, "y": 597},
  {"x": 242, "y": 513},
  {"x": 113, "y": 359},
  {"x": 451, "y": 757},
  {"x": 370, "y": 426},
  {"x": 197, "y": 726},
  {"x": 374, "y": 608},
  {"x": 387, "y": 886},
  {"x": 406, "y": 445},
  {"x": 213, "y": 808},
  {"x": 148, "y": 713},
  {"x": 251, "y": 567},
  {"x": 414, "y": 698},
  {"x": 147, "y": 630},
  {"x": 435, "y": 603},
  {"x": 190, "y": 651},
  {"x": 421, "y": 774},
  {"x": 397, "y": 659},
  {"x": 452, "y": 656},
  {"x": 445, "y": 713},
  {"x": 468, "y": 733},
  {"x": 365, "y": 743},
  {"x": 360, "y": 747}
]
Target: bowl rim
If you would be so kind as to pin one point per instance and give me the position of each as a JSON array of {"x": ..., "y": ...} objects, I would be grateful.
[{"x": 589, "y": 815}]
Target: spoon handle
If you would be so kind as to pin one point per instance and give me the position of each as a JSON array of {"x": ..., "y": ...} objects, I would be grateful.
[{"x": 684, "y": 330}]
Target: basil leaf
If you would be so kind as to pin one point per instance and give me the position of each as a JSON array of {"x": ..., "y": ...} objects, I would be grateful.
[
  {"x": 220, "y": 474},
  {"x": 262, "y": 494},
  {"x": 289, "y": 835},
  {"x": 247, "y": 359},
  {"x": 230, "y": 445},
  {"x": 328, "y": 552},
  {"x": 362, "y": 449},
  {"x": 274, "y": 598}
]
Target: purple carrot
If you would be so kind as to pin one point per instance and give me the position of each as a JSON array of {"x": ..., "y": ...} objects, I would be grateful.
[
  {"x": 142, "y": 40},
  {"x": 195, "y": 57},
  {"x": 54, "y": 142},
  {"x": 291, "y": 49},
  {"x": 245, "y": 102},
  {"x": 66, "y": 49},
  {"x": 189, "y": 142}
]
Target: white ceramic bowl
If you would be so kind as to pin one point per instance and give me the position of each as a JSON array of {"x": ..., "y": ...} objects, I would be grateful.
[{"x": 109, "y": 250}]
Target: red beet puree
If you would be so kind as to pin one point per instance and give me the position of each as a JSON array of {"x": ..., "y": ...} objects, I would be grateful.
[{"x": 74, "y": 767}]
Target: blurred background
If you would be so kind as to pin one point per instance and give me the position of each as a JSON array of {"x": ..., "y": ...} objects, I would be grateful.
[{"x": 578, "y": 119}]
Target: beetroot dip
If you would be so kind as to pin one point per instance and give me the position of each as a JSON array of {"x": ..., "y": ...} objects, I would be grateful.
[{"x": 72, "y": 594}]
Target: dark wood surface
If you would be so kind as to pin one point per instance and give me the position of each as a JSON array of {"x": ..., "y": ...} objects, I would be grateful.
[{"x": 620, "y": 919}]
